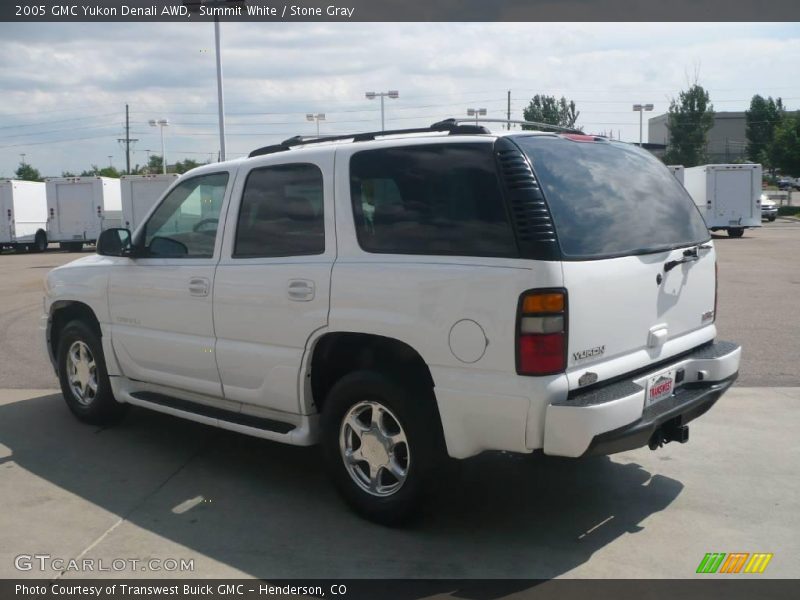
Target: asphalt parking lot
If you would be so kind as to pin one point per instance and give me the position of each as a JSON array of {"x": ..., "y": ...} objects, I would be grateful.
[{"x": 158, "y": 487}]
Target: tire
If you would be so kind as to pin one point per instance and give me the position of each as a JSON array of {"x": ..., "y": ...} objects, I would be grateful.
[
  {"x": 81, "y": 362},
  {"x": 771, "y": 219},
  {"x": 393, "y": 492},
  {"x": 39, "y": 242},
  {"x": 735, "y": 232},
  {"x": 71, "y": 246}
]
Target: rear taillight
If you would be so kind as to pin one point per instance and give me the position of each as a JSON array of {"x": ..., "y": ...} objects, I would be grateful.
[{"x": 542, "y": 332}]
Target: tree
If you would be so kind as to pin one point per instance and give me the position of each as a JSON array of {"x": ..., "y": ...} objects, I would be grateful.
[
  {"x": 762, "y": 119},
  {"x": 96, "y": 171},
  {"x": 690, "y": 118},
  {"x": 154, "y": 162},
  {"x": 26, "y": 172},
  {"x": 186, "y": 165},
  {"x": 785, "y": 147},
  {"x": 547, "y": 109},
  {"x": 67, "y": 174}
]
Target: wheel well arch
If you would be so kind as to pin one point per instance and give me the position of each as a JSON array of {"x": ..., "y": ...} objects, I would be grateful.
[
  {"x": 64, "y": 311},
  {"x": 337, "y": 353}
]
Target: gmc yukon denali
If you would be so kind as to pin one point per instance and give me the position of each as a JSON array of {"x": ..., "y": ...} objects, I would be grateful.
[{"x": 402, "y": 296}]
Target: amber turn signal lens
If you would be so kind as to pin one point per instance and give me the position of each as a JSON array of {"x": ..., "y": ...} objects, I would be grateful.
[{"x": 547, "y": 302}]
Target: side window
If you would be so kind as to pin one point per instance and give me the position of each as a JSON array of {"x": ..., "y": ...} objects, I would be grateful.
[
  {"x": 185, "y": 223},
  {"x": 430, "y": 199},
  {"x": 281, "y": 213}
]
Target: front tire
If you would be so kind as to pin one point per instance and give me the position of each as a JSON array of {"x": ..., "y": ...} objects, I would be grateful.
[
  {"x": 381, "y": 443},
  {"x": 83, "y": 376},
  {"x": 735, "y": 232}
]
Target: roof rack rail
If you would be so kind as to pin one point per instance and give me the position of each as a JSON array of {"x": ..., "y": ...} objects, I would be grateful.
[
  {"x": 450, "y": 126},
  {"x": 536, "y": 124}
]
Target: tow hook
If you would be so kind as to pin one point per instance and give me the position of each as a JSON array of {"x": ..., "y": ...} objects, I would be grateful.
[{"x": 669, "y": 432}]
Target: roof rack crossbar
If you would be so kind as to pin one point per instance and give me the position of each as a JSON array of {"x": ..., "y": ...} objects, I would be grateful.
[
  {"x": 450, "y": 126},
  {"x": 536, "y": 124}
]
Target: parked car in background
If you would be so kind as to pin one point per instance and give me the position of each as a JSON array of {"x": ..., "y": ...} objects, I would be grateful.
[{"x": 769, "y": 208}]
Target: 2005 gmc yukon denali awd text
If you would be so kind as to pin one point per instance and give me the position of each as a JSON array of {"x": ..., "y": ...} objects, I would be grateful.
[{"x": 399, "y": 297}]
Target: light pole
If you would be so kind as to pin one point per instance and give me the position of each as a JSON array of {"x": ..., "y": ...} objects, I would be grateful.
[
  {"x": 640, "y": 108},
  {"x": 476, "y": 112},
  {"x": 111, "y": 160},
  {"x": 161, "y": 123},
  {"x": 316, "y": 117},
  {"x": 394, "y": 94},
  {"x": 194, "y": 6},
  {"x": 23, "y": 155}
]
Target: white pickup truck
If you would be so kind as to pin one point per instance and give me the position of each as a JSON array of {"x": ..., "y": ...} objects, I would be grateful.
[{"x": 398, "y": 297}]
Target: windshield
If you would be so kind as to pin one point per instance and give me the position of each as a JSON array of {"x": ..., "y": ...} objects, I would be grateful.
[{"x": 611, "y": 199}]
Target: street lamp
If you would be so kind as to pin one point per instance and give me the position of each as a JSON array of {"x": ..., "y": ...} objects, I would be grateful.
[
  {"x": 476, "y": 112},
  {"x": 316, "y": 117},
  {"x": 640, "y": 108},
  {"x": 161, "y": 123},
  {"x": 194, "y": 6},
  {"x": 394, "y": 94}
]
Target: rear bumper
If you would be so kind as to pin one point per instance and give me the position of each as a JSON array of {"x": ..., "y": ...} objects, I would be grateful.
[{"x": 612, "y": 418}]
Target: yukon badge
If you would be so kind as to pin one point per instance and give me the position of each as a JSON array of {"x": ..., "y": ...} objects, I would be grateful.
[{"x": 589, "y": 353}]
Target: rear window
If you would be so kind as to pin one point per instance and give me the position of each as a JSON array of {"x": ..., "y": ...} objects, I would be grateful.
[
  {"x": 611, "y": 199},
  {"x": 440, "y": 199}
]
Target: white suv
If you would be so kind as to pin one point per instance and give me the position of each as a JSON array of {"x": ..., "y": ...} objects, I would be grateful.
[{"x": 401, "y": 296}]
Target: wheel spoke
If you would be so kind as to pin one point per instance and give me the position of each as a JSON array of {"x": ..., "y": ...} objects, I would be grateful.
[
  {"x": 355, "y": 425},
  {"x": 397, "y": 471},
  {"x": 376, "y": 418},
  {"x": 395, "y": 440},
  {"x": 374, "y": 477}
]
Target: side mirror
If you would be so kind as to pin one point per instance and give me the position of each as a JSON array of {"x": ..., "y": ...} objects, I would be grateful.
[{"x": 114, "y": 242}]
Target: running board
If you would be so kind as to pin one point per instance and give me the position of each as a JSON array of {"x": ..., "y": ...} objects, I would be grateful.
[{"x": 211, "y": 412}]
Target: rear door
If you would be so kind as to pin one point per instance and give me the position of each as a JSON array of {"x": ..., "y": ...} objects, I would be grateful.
[
  {"x": 733, "y": 198},
  {"x": 621, "y": 219},
  {"x": 75, "y": 212},
  {"x": 272, "y": 284}
]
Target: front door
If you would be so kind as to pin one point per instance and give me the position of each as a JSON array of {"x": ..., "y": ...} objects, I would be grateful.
[
  {"x": 273, "y": 281},
  {"x": 161, "y": 302}
]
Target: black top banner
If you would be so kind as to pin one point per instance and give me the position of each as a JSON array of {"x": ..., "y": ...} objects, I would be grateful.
[{"x": 402, "y": 10}]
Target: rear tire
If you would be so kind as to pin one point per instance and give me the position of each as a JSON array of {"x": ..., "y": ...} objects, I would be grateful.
[
  {"x": 40, "y": 242},
  {"x": 83, "y": 376},
  {"x": 71, "y": 246},
  {"x": 735, "y": 232},
  {"x": 771, "y": 219},
  {"x": 382, "y": 444}
]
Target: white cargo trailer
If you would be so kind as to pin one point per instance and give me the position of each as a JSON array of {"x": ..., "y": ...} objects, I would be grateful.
[
  {"x": 728, "y": 196},
  {"x": 23, "y": 215},
  {"x": 79, "y": 208},
  {"x": 140, "y": 193},
  {"x": 677, "y": 172}
]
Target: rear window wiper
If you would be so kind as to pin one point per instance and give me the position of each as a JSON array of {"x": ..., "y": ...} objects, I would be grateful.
[{"x": 689, "y": 255}]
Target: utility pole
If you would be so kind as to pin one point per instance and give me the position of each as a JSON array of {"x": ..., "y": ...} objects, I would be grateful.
[
  {"x": 127, "y": 141},
  {"x": 508, "y": 112}
]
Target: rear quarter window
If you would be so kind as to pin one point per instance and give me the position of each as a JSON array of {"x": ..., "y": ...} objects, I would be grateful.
[
  {"x": 611, "y": 199},
  {"x": 438, "y": 199}
]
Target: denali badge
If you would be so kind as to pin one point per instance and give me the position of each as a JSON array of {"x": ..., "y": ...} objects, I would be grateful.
[
  {"x": 587, "y": 378},
  {"x": 596, "y": 351}
]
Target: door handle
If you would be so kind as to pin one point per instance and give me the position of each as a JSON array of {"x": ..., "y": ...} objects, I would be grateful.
[
  {"x": 198, "y": 286},
  {"x": 301, "y": 290}
]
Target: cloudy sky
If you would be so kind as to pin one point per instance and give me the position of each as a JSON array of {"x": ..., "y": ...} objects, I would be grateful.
[{"x": 63, "y": 87}]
